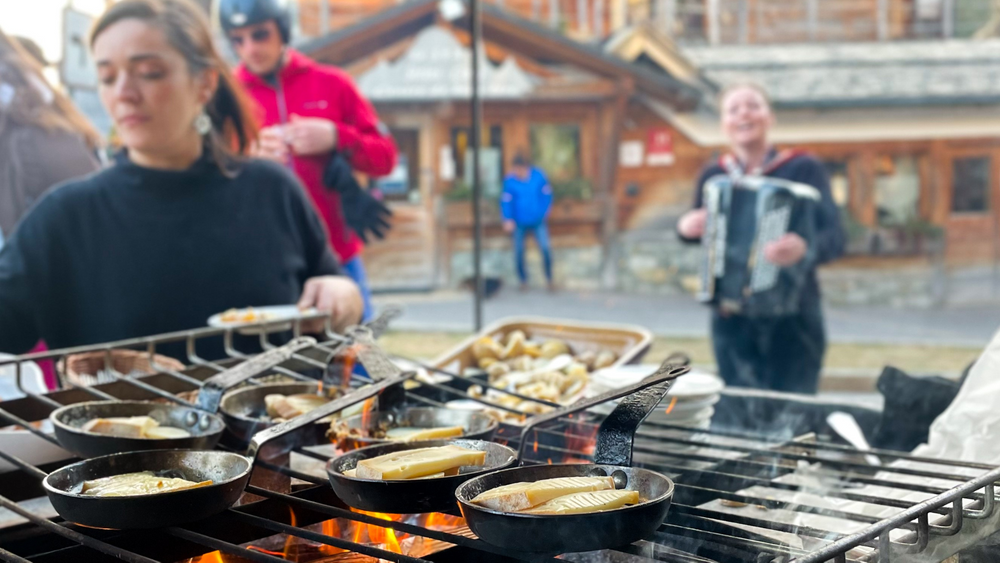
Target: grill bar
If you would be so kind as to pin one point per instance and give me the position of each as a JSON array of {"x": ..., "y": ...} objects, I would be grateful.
[
  {"x": 757, "y": 460},
  {"x": 11, "y": 558},
  {"x": 73, "y": 535},
  {"x": 320, "y": 538},
  {"x": 224, "y": 546}
]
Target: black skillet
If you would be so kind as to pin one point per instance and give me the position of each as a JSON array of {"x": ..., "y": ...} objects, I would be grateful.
[
  {"x": 245, "y": 412},
  {"x": 205, "y": 427},
  {"x": 359, "y": 431},
  {"x": 581, "y": 532},
  {"x": 229, "y": 473},
  {"x": 437, "y": 495}
]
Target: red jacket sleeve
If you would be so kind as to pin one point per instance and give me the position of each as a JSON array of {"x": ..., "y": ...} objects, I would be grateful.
[{"x": 369, "y": 149}]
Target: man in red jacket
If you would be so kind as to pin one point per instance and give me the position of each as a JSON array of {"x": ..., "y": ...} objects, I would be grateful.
[{"x": 316, "y": 122}]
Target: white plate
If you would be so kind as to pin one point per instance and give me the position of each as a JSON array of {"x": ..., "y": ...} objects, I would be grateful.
[
  {"x": 688, "y": 387},
  {"x": 32, "y": 379},
  {"x": 30, "y": 448},
  {"x": 271, "y": 313}
]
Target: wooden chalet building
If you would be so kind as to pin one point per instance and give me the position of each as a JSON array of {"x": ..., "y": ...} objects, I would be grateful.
[
  {"x": 908, "y": 131},
  {"x": 565, "y": 104}
]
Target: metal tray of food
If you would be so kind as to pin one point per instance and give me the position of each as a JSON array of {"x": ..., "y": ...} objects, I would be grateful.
[{"x": 629, "y": 342}]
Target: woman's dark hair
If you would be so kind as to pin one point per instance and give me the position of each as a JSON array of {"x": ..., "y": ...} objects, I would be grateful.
[
  {"x": 187, "y": 30},
  {"x": 521, "y": 159}
]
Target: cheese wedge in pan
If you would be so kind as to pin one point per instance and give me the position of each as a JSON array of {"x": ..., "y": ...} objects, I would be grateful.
[
  {"x": 418, "y": 463},
  {"x": 583, "y": 503},
  {"x": 124, "y": 427},
  {"x": 519, "y": 496},
  {"x": 167, "y": 433},
  {"x": 449, "y": 473},
  {"x": 132, "y": 484},
  {"x": 410, "y": 434}
]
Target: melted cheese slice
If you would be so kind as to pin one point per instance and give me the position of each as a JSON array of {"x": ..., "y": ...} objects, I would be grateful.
[
  {"x": 519, "y": 496},
  {"x": 123, "y": 427},
  {"x": 410, "y": 434},
  {"x": 582, "y": 503},
  {"x": 132, "y": 484},
  {"x": 420, "y": 462},
  {"x": 450, "y": 472},
  {"x": 167, "y": 433}
]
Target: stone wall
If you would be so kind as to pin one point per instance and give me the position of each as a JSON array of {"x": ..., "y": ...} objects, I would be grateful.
[{"x": 572, "y": 268}]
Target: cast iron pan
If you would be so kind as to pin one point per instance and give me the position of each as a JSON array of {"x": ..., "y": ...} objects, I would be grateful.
[
  {"x": 229, "y": 473},
  {"x": 245, "y": 414},
  {"x": 421, "y": 495},
  {"x": 582, "y": 532},
  {"x": 205, "y": 427},
  {"x": 412, "y": 495},
  {"x": 477, "y": 425}
]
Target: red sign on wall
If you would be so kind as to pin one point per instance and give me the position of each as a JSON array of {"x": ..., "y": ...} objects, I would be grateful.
[{"x": 660, "y": 148}]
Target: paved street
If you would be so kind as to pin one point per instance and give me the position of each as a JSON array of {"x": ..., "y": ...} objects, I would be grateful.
[{"x": 678, "y": 316}]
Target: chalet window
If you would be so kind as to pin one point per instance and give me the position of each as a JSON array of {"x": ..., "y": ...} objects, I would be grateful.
[
  {"x": 403, "y": 183},
  {"x": 840, "y": 185},
  {"x": 490, "y": 155},
  {"x": 897, "y": 189},
  {"x": 970, "y": 181},
  {"x": 555, "y": 148}
]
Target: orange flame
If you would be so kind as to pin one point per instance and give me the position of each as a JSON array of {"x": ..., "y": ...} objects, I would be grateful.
[
  {"x": 350, "y": 360},
  {"x": 367, "y": 409},
  {"x": 580, "y": 437},
  {"x": 283, "y": 555},
  {"x": 377, "y": 534},
  {"x": 534, "y": 448},
  {"x": 331, "y": 529},
  {"x": 670, "y": 407},
  {"x": 290, "y": 538},
  {"x": 548, "y": 461},
  {"x": 213, "y": 557}
]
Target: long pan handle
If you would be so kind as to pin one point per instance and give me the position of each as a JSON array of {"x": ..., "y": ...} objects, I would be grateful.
[
  {"x": 269, "y": 436},
  {"x": 617, "y": 432},
  {"x": 212, "y": 390},
  {"x": 667, "y": 372}
]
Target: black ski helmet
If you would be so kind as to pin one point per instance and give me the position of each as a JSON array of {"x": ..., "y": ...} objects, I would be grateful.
[{"x": 240, "y": 13}]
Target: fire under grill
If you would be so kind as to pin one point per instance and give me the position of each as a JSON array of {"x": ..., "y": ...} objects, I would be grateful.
[{"x": 740, "y": 496}]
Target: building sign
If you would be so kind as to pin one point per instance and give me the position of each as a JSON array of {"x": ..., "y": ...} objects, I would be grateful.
[
  {"x": 630, "y": 154},
  {"x": 660, "y": 148},
  {"x": 77, "y": 69}
]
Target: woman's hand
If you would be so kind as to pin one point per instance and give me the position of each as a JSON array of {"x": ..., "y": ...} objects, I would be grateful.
[
  {"x": 311, "y": 135},
  {"x": 786, "y": 251},
  {"x": 336, "y": 295},
  {"x": 692, "y": 223}
]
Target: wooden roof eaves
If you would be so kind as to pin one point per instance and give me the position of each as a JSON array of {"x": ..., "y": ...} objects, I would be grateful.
[
  {"x": 527, "y": 34},
  {"x": 345, "y": 45}
]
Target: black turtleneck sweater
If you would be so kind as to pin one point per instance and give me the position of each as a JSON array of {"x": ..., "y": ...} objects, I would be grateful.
[{"x": 131, "y": 251}]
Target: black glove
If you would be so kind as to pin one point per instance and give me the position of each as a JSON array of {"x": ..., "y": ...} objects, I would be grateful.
[{"x": 362, "y": 211}]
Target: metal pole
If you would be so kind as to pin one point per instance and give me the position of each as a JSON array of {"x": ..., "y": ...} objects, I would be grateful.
[{"x": 477, "y": 195}]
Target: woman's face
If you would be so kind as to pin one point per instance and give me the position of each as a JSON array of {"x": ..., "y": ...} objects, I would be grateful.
[
  {"x": 746, "y": 117},
  {"x": 148, "y": 90}
]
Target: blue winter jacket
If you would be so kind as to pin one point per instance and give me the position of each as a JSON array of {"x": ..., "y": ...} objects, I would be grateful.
[{"x": 526, "y": 202}]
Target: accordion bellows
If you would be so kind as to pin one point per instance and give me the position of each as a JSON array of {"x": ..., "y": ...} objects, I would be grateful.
[{"x": 744, "y": 215}]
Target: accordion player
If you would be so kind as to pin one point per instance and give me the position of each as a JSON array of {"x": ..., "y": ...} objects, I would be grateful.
[{"x": 735, "y": 276}]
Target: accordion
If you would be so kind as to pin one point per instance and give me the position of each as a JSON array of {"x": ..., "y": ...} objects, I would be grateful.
[{"x": 744, "y": 215}]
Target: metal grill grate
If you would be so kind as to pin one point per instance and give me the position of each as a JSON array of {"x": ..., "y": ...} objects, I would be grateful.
[{"x": 740, "y": 496}]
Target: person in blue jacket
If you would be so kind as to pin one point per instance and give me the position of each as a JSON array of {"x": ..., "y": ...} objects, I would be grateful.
[{"x": 525, "y": 204}]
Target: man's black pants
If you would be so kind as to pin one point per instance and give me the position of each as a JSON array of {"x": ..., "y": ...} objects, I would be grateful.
[{"x": 780, "y": 353}]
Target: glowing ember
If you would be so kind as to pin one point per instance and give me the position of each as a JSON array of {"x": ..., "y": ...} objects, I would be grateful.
[
  {"x": 283, "y": 555},
  {"x": 670, "y": 407},
  {"x": 214, "y": 557}
]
